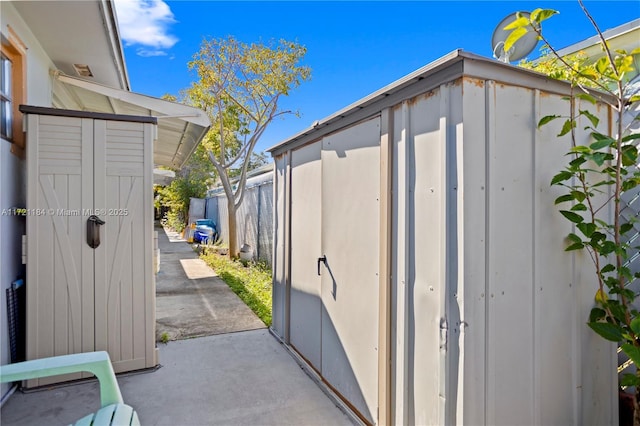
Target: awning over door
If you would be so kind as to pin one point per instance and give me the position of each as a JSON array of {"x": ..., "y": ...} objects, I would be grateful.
[{"x": 180, "y": 127}]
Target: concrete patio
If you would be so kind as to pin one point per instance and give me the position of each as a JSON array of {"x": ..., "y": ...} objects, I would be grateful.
[{"x": 243, "y": 377}]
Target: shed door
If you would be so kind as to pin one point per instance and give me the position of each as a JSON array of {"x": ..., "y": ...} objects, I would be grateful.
[
  {"x": 335, "y": 213},
  {"x": 350, "y": 242},
  {"x": 125, "y": 294},
  {"x": 83, "y": 299},
  {"x": 305, "y": 302},
  {"x": 60, "y": 275}
]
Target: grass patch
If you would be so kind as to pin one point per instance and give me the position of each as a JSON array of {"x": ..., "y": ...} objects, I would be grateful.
[{"x": 252, "y": 283}]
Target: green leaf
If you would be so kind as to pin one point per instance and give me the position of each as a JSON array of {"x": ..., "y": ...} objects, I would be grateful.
[
  {"x": 575, "y": 246},
  {"x": 606, "y": 330},
  {"x": 596, "y": 314},
  {"x": 608, "y": 247},
  {"x": 632, "y": 351},
  {"x": 608, "y": 268},
  {"x": 596, "y": 236},
  {"x": 579, "y": 208},
  {"x": 618, "y": 313},
  {"x": 626, "y": 227},
  {"x": 600, "y": 157},
  {"x": 625, "y": 272},
  {"x": 592, "y": 118},
  {"x": 629, "y": 294},
  {"x": 589, "y": 74},
  {"x": 602, "y": 143},
  {"x": 564, "y": 198},
  {"x": 546, "y": 119},
  {"x": 573, "y": 217},
  {"x": 598, "y": 136},
  {"x": 586, "y": 97},
  {"x": 579, "y": 196},
  {"x": 577, "y": 162},
  {"x": 581, "y": 149},
  {"x": 521, "y": 21},
  {"x": 629, "y": 155},
  {"x": 602, "y": 64},
  {"x": 630, "y": 380},
  {"x": 566, "y": 127},
  {"x": 624, "y": 64},
  {"x": 635, "y": 325},
  {"x": 573, "y": 237},
  {"x": 561, "y": 177},
  {"x": 603, "y": 182},
  {"x": 630, "y": 183},
  {"x": 587, "y": 228},
  {"x": 540, "y": 15},
  {"x": 515, "y": 35},
  {"x": 631, "y": 137}
]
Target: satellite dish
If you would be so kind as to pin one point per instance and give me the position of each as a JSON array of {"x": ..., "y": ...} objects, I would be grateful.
[{"x": 520, "y": 49}]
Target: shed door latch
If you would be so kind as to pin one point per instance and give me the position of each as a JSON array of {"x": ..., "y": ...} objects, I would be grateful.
[
  {"x": 322, "y": 259},
  {"x": 93, "y": 230}
]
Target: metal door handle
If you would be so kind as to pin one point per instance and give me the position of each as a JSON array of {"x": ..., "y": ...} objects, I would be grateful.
[
  {"x": 93, "y": 230},
  {"x": 322, "y": 259}
]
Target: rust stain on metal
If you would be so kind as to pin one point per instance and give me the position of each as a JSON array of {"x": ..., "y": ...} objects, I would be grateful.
[
  {"x": 413, "y": 101},
  {"x": 475, "y": 81}
]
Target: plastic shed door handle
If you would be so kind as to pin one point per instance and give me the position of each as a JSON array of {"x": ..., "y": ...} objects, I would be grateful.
[{"x": 93, "y": 230}]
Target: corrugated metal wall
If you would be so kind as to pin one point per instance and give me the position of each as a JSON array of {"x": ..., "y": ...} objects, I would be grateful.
[
  {"x": 488, "y": 312},
  {"x": 537, "y": 297}
]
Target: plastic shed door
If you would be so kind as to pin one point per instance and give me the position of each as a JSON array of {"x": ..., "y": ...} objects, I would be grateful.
[{"x": 81, "y": 298}]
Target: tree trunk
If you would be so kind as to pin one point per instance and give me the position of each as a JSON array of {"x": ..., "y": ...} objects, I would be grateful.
[{"x": 233, "y": 238}]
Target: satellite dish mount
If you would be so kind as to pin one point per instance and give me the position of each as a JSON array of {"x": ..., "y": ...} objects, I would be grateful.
[{"x": 520, "y": 49}]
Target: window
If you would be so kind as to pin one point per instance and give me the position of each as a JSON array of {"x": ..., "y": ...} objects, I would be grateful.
[
  {"x": 12, "y": 90},
  {"x": 6, "y": 113}
]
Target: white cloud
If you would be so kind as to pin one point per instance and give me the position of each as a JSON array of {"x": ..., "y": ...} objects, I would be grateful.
[
  {"x": 148, "y": 53},
  {"x": 146, "y": 23}
]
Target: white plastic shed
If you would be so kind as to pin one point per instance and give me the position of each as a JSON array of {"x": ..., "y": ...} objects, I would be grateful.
[
  {"x": 419, "y": 263},
  {"x": 90, "y": 278}
]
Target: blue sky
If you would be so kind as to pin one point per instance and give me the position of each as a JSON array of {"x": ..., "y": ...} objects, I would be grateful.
[{"x": 353, "y": 48}]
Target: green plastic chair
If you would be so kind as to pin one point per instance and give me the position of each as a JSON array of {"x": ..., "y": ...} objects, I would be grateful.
[{"x": 113, "y": 411}]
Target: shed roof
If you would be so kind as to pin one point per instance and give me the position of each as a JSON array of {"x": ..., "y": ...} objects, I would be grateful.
[{"x": 445, "y": 69}]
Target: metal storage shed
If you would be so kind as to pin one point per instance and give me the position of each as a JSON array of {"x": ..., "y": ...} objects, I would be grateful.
[{"x": 419, "y": 266}]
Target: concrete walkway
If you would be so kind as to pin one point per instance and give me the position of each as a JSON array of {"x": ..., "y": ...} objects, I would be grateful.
[
  {"x": 191, "y": 300},
  {"x": 239, "y": 378}
]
